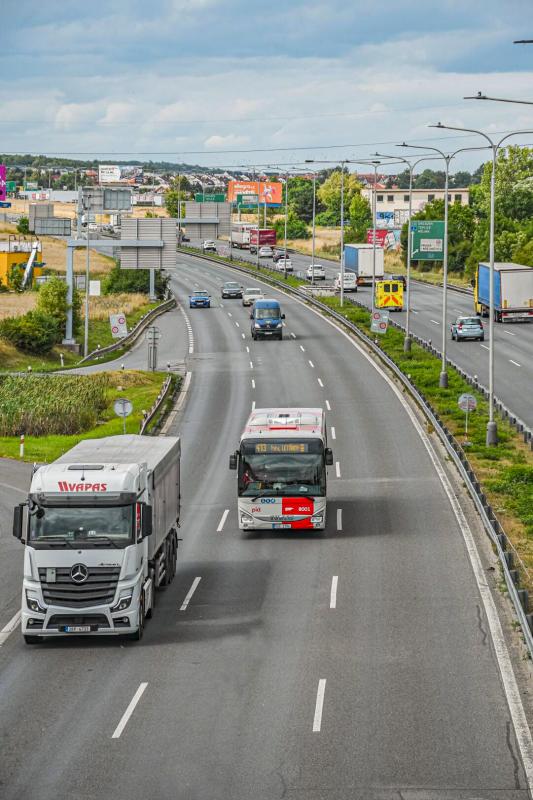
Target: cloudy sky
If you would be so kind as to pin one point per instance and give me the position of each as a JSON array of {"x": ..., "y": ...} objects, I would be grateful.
[{"x": 230, "y": 82}]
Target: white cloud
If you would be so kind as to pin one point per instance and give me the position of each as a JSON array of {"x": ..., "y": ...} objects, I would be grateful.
[{"x": 231, "y": 140}]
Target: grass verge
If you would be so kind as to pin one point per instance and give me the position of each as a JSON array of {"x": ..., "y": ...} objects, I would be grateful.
[
  {"x": 141, "y": 388},
  {"x": 505, "y": 472}
]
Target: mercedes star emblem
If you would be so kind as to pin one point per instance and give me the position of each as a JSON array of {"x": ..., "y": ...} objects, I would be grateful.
[{"x": 79, "y": 573}]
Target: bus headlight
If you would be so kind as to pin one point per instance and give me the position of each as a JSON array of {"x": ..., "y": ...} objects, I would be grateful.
[
  {"x": 317, "y": 519},
  {"x": 246, "y": 519}
]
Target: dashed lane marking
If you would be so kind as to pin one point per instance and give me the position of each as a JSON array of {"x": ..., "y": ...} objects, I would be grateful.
[
  {"x": 222, "y": 520},
  {"x": 189, "y": 594},
  {"x": 333, "y": 592},
  {"x": 129, "y": 711}
]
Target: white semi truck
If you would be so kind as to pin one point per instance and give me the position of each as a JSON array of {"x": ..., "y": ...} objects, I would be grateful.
[{"x": 99, "y": 530}]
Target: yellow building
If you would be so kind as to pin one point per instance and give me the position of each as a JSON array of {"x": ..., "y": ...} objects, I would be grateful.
[{"x": 16, "y": 252}]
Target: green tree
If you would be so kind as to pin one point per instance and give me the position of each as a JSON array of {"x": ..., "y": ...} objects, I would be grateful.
[
  {"x": 52, "y": 301},
  {"x": 296, "y": 228},
  {"x": 301, "y": 198},
  {"x": 360, "y": 219},
  {"x": 430, "y": 179},
  {"x": 329, "y": 195},
  {"x": 23, "y": 225},
  {"x": 33, "y": 332}
]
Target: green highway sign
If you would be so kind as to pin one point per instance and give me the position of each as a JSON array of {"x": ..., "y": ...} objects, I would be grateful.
[
  {"x": 11, "y": 186},
  {"x": 210, "y": 198},
  {"x": 244, "y": 200},
  {"x": 428, "y": 240}
]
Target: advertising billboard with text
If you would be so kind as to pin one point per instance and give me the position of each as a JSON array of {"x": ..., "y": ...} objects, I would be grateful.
[
  {"x": 2, "y": 182},
  {"x": 269, "y": 193},
  {"x": 108, "y": 173}
]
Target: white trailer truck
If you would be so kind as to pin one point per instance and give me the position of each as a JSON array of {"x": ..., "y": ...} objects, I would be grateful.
[
  {"x": 99, "y": 530},
  {"x": 360, "y": 259}
]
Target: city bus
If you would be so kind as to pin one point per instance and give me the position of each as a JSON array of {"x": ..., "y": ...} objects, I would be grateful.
[{"x": 281, "y": 465}]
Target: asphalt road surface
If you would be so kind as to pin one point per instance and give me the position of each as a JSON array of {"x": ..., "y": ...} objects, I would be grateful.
[
  {"x": 513, "y": 344},
  {"x": 353, "y": 665}
]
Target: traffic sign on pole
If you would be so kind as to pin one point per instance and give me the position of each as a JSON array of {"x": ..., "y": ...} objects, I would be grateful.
[
  {"x": 380, "y": 321},
  {"x": 428, "y": 240}
]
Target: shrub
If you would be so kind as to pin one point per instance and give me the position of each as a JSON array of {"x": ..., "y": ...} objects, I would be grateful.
[
  {"x": 134, "y": 280},
  {"x": 23, "y": 225},
  {"x": 34, "y": 332},
  {"x": 52, "y": 301}
]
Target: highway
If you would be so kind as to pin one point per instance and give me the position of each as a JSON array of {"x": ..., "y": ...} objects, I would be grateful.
[
  {"x": 354, "y": 665},
  {"x": 513, "y": 341}
]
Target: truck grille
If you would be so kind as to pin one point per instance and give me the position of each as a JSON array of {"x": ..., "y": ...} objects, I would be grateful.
[{"x": 98, "y": 589}]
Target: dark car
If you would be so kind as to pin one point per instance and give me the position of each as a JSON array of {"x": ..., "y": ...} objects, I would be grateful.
[
  {"x": 200, "y": 299},
  {"x": 231, "y": 289},
  {"x": 278, "y": 254},
  {"x": 400, "y": 278},
  {"x": 267, "y": 320},
  {"x": 468, "y": 328}
]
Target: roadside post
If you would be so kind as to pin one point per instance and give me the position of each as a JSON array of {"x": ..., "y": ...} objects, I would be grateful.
[
  {"x": 123, "y": 408},
  {"x": 467, "y": 402},
  {"x": 153, "y": 334}
]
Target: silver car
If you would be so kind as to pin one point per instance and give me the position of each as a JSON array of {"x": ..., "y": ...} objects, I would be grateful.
[{"x": 468, "y": 328}]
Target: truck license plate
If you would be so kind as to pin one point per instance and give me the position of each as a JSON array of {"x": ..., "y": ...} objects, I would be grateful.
[{"x": 78, "y": 628}]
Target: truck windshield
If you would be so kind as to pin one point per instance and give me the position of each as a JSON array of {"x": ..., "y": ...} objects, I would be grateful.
[
  {"x": 280, "y": 468},
  {"x": 82, "y": 525},
  {"x": 267, "y": 313}
]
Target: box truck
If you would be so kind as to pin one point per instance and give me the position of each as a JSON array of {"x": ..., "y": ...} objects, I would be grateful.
[
  {"x": 265, "y": 236},
  {"x": 99, "y": 530},
  {"x": 513, "y": 291},
  {"x": 359, "y": 259},
  {"x": 240, "y": 234}
]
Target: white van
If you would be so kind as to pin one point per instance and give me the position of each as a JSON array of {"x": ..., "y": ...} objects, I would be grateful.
[{"x": 350, "y": 282}]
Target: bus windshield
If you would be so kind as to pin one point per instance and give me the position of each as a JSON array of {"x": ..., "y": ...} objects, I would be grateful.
[{"x": 279, "y": 468}]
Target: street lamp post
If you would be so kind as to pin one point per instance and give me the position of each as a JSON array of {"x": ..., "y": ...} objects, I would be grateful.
[
  {"x": 443, "y": 377},
  {"x": 314, "y": 231},
  {"x": 285, "y": 227},
  {"x": 492, "y": 428},
  {"x": 411, "y": 166}
]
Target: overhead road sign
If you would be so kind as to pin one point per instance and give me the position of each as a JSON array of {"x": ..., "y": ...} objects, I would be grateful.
[
  {"x": 152, "y": 232},
  {"x": 209, "y": 198},
  {"x": 100, "y": 200},
  {"x": 427, "y": 240},
  {"x": 53, "y": 226},
  {"x": 11, "y": 186}
]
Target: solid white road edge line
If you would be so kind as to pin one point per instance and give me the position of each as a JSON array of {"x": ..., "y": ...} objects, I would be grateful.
[
  {"x": 339, "y": 519},
  {"x": 317, "y": 721},
  {"x": 333, "y": 592},
  {"x": 222, "y": 520},
  {"x": 512, "y": 694},
  {"x": 129, "y": 711},
  {"x": 189, "y": 594},
  {"x": 337, "y": 469},
  {"x": 8, "y": 629},
  {"x": 179, "y": 405}
]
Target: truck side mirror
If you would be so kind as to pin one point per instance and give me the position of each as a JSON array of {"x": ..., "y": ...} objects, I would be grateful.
[
  {"x": 18, "y": 517},
  {"x": 233, "y": 460},
  {"x": 146, "y": 524},
  {"x": 329, "y": 457}
]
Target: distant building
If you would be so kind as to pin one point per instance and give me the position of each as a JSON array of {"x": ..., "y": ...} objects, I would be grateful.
[{"x": 397, "y": 200}]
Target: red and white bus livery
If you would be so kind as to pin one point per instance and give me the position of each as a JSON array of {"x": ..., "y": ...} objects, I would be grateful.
[{"x": 281, "y": 463}]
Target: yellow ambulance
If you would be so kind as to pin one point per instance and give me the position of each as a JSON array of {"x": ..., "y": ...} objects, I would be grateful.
[{"x": 389, "y": 294}]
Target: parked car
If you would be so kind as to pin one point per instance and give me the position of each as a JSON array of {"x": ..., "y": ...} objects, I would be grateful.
[
  {"x": 231, "y": 289},
  {"x": 209, "y": 246},
  {"x": 468, "y": 328},
  {"x": 316, "y": 272},
  {"x": 200, "y": 299},
  {"x": 249, "y": 296}
]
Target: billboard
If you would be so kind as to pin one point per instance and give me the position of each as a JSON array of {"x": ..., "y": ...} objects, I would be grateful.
[
  {"x": 269, "y": 193},
  {"x": 386, "y": 238},
  {"x": 108, "y": 173},
  {"x": 2, "y": 182},
  {"x": 385, "y": 219}
]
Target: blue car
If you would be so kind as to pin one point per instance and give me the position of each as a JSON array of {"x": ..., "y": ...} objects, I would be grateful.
[
  {"x": 200, "y": 299},
  {"x": 468, "y": 328}
]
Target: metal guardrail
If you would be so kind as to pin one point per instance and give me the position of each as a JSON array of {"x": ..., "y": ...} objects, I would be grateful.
[
  {"x": 133, "y": 335},
  {"x": 493, "y": 527},
  {"x": 157, "y": 404}
]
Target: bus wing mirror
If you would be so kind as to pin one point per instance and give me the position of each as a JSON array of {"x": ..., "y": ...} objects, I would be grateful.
[
  {"x": 233, "y": 460},
  {"x": 146, "y": 521},
  {"x": 18, "y": 516},
  {"x": 329, "y": 457}
]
